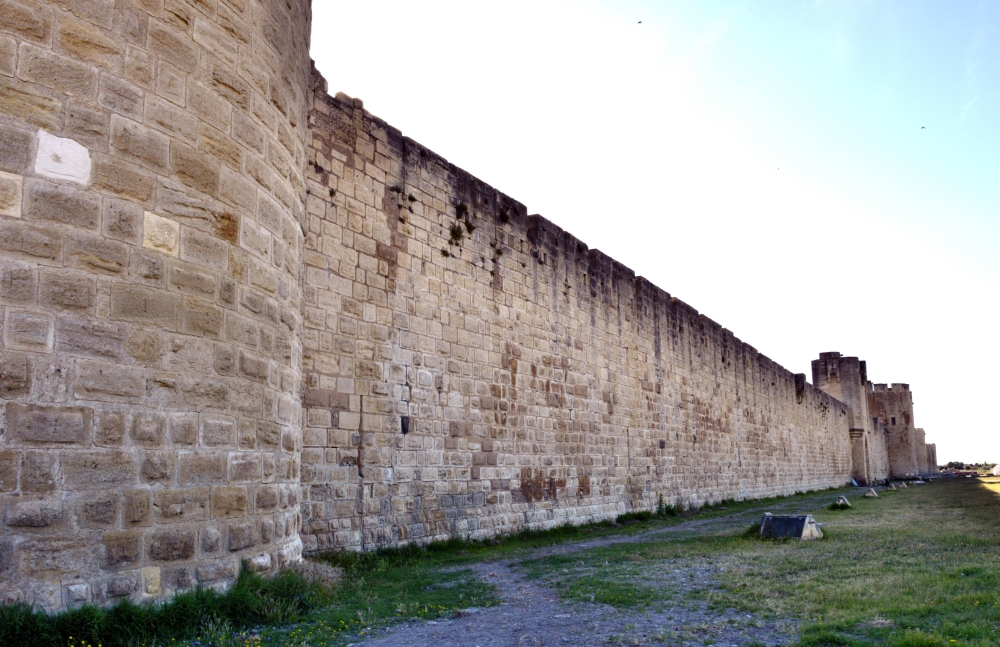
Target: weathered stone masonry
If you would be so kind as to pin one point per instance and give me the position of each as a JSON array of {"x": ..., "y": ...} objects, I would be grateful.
[
  {"x": 151, "y": 156},
  {"x": 242, "y": 318}
]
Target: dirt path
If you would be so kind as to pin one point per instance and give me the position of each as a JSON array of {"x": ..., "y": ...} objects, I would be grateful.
[{"x": 532, "y": 614}]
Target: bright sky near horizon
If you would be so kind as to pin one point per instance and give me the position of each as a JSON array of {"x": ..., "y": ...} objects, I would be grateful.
[{"x": 813, "y": 175}]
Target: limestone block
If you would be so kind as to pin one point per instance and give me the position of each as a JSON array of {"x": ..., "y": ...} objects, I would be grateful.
[
  {"x": 15, "y": 375},
  {"x": 9, "y": 463},
  {"x": 171, "y": 120},
  {"x": 260, "y": 563},
  {"x": 121, "y": 97},
  {"x": 180, "y": 505},
  {"x": 98, "y": 12},
  {"x": 100, "y": 469},
  {"x": 203, "y": 249},
  {"x": 27, "y": 330},
  {"x": 122, "y": 548},
  {"x": 229, "y": 501},
  {"x": 209, "y": 106},
  {"x": 110, "y": 429},
  {"x": 89, "y": 45},
  {"x": 11, "y": 187},
  {"x": 43, "y": 513},
  {"x": 123, "y": 220},
  {"x": 211, "y": 540},
  {"x": 17, "y": 150},
  {"x": 27, "y": 20},
  {"x": 149, "y": 429},
  {"x": 220, "y": 146},
  {"x": 60, "y": 73},
  {"x": 98, "y": 510},
  {"x": 244, "y": 468},
  {"x": 195, "y": 169},
  {"x": 46, "y": 202},
  {"x": 23, "y": 101},
  {"x": 202, "y": 319},
  {"x": 242, "y": 536},
  {"x": 140, "y": 67},
  {"x": 201, "y": 468},
  {"x": 172, "y": 545},
  {"x": 88, "y": 126},
  {"x": 111, "y": 383},
  {"x": 8, "y": 55},
  {"x": 157, "y": 467},
  {"x": 151, "y": 584},
  {"x": 215, "y": 572},
  {"x": 18, "y": 284},
  {"x": 228, "y": 83},
  {"x": 183, "y": 428},
  {"x": 29, "y": 243},
  {"x": 67, "y": 291},
  {"x": 215, "y": 40},
  {"x": 191, "y": 282},
  {"x": 118, "y": 587},
  {"x": 218, "y": 431},
  {"x": 161, "y": 234},
  {"x": 78, "y": 593},
  {"x": 122, "y": 179},
  {"x": 144, "y": 305},
  {"x": 40, "y": 472},
  {"x": 172, "y": 45},
  {"x": 130, "y": 22},
  {"x": 37, "y": 424},
  {"x": 79, "y": 336},
  {"x": 139, "y": 144},
  {"x": 137, "y": 507},
  {"x": 96, "y": 255}
]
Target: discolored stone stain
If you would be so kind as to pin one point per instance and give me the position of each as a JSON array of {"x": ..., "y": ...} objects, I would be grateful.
[{"x": 536, "y": 486}]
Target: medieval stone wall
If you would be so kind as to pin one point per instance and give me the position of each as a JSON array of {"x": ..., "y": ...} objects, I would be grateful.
[
  {"x": 238, "y": 313},
  {"x": 151, "y": 156},
  {"x": 471, "y": 370}
]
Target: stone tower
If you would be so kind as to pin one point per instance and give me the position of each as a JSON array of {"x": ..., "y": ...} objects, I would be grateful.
[
  {"x": 151, "y": 194},
  {"x": 846, "y": 378},
  {"x": 893, "y": 405}
]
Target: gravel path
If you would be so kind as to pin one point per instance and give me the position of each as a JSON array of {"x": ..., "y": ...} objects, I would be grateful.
[{"x": 532, "y": 614}]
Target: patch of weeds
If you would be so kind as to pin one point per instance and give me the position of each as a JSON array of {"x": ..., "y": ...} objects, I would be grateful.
[
  {"x": 333, "y": 192},
  {"x": 836, "y": 505},
  {"x": 253, "y": 600},
  {"x": 456, "y": 233},
  {"x": 916, "y": 639},
  {"x": 819, "y": 636},
  {"x": 634, "y": 517},
  {"x": 445, "y": 253}
]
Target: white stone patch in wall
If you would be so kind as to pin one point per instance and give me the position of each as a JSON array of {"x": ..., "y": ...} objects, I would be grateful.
[
  {"x": 62, "y": 159},
  {"x": 10, "y": 195},
  {"x": 150, "y": 581},
  {"x": 160, "y": 234}
]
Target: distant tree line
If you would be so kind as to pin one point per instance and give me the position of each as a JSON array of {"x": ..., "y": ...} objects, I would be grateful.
[{"x": 977, "y": 467}]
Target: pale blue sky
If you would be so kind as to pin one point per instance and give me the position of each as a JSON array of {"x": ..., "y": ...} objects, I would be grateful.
[{"x": 661, "y": 144}]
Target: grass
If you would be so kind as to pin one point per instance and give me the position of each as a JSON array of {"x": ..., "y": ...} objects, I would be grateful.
[
  {"x": 252, "y": 601},
  {"x": 913, "y": 568}
]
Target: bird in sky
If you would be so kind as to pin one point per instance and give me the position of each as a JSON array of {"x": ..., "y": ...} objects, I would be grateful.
[
  {"x": 640, "y": 22},
  {"x": 923, "y": 127}
]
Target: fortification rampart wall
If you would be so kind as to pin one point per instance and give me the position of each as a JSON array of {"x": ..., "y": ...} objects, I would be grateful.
[
  {"x": 151, "y": 159},
  {"x": 471, "y": 370}
]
